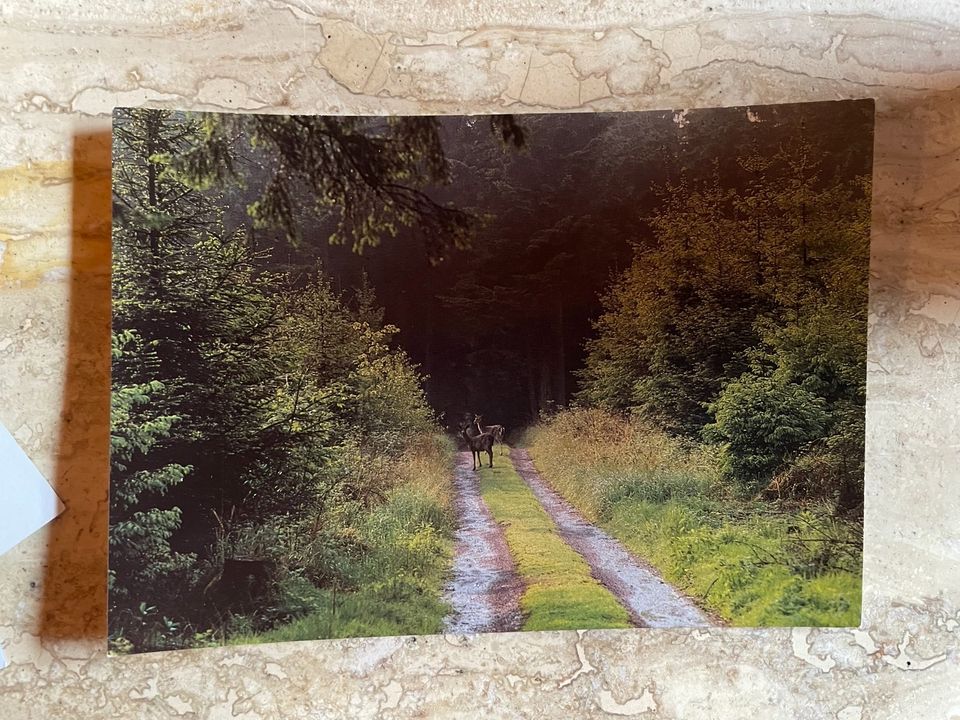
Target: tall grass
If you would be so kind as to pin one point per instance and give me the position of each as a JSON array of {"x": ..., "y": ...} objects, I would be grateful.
[
  {"x": 426, "y": 469},
  {"x": 599, "y": 460},
  {"x": 376, "y": 572},
  {"x": 751, "y": 562}
]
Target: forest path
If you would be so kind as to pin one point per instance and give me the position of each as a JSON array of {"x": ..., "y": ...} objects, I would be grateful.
[
  {"x": 651, "y": 601},
  {"x": 485, "y": 589}
]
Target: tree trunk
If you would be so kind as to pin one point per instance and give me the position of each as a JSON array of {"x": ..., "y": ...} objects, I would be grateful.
[
  {"x": 560, "y": 361},
  {"x": 546, "y": 386},
  {"x": 532, "y": 405}
]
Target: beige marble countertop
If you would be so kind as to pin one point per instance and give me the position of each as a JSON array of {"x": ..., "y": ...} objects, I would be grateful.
[{"x": 65, "y": 64}]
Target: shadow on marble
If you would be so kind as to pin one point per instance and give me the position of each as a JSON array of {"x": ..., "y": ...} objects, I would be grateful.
[{"x": 74, "y": 591}]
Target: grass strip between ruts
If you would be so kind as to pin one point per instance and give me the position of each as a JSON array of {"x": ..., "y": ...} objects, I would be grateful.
[{"x": 560, "y": 592}]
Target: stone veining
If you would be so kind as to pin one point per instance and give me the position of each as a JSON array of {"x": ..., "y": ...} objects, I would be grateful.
[{"x": 67, "y": 64}]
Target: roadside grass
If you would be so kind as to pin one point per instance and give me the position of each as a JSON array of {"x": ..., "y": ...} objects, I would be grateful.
[
  {"x": 560, "y": 594},
  {"x": 395, "y": 574},
  {"x": 739, "y": 568},
  {"x": 750, "y": 562},
  {"x": 400, "y": 605}
]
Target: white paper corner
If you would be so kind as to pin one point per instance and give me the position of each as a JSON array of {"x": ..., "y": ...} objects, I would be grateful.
[{"x": 27, "y": 502}]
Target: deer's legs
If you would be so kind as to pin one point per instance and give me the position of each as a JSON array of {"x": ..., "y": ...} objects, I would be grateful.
[{"x": 490, "y": 455}]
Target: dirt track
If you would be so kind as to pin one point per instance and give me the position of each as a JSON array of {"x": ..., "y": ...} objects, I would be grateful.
[
  {"x": 650, "y": 601},
  {"x": 485, "y": 589}
]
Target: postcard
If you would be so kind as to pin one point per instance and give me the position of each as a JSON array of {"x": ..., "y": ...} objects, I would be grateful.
[{"x": 470, "y": 374}]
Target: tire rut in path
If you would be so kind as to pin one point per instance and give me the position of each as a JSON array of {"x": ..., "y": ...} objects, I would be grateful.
[
  {"x": 484, "y": 592},
  {"x": 650, "y": 600}
]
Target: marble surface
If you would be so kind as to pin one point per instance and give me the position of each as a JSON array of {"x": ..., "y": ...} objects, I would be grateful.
[{"x": 65, "y": 64}]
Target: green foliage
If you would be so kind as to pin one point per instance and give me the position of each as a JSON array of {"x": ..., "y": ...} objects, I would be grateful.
[
  {"x": 139, "y": 541},
  {"x": 377, "y": 390},
  {"x": 763, "y": 423},
  {"x": 370, "y": 172},
  {"x": 746, "y": 320},
  {"x": 194, "y": 295},
  {"x": 624, "y": 460},
  {"x": 399, "y": 605},
  {"x": 256, "y": 416},
  {"x": 384, "y": 569},
  {"x": 743, "y": 563},
  {"x": 753, "y": 563},
  {"x": 677, "y": 320},
  {"x": 190, "y": 387}
]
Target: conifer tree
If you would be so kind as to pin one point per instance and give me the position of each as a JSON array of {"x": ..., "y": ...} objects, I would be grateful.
[{"x": 193, "y": 390}]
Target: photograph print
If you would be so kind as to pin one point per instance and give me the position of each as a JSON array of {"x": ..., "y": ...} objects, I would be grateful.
[{"x": 466, "y": 374}]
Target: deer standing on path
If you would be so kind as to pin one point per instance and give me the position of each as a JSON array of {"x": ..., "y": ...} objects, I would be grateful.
[
  {"x": 478, "y": 441},
  {"x": 498, "y": 431}
]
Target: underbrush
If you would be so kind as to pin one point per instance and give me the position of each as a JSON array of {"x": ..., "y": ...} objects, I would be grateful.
[
  {"x": 366, "y": 572},
  {"x": 395, "y": 588},
  {"x": 623, "y": 460},
  {"x": 753, "y": 563}
]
